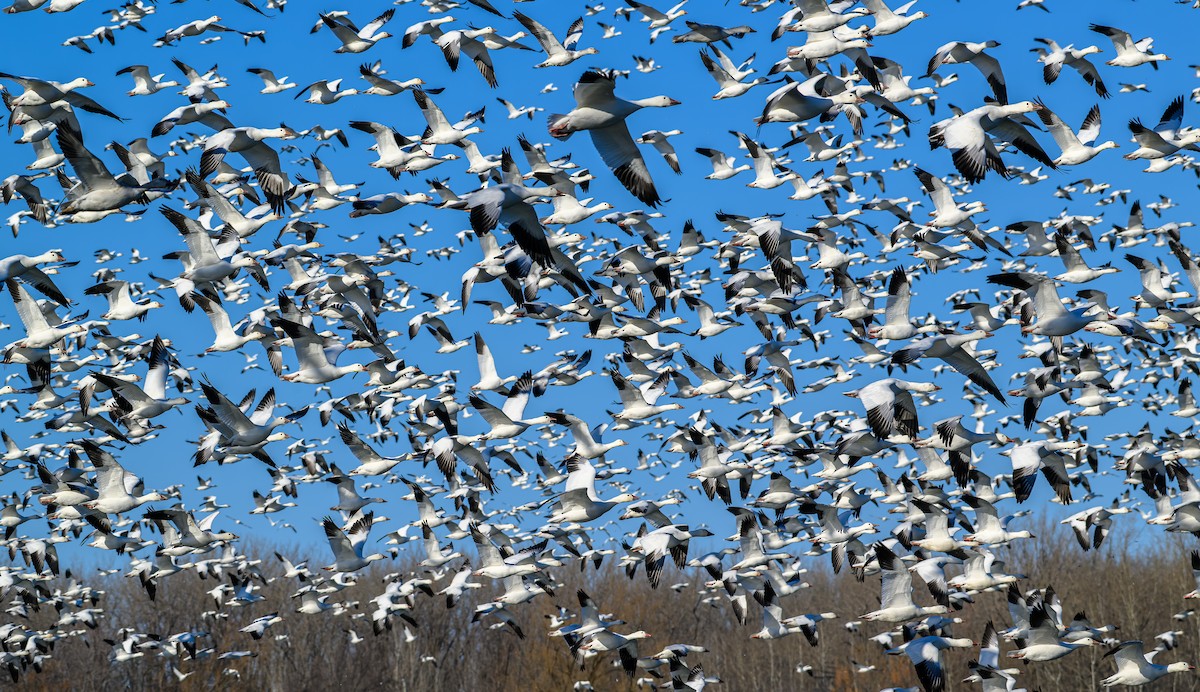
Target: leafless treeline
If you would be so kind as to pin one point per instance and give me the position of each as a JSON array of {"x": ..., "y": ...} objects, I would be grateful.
[{"x": 1136, "y": 586}]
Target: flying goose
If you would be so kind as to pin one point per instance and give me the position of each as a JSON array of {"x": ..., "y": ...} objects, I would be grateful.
[
  {"x": 973, "y": 152},
  {"x": 557, "y": 54},
  {"x": 1075, "y": 148},
  {"x": 896, "y": 603},
  {"x": 355, "y": 40},
  {"x": 347, "y": 545},
  {"x": 600, "y": 112},
  {"x": 248, "y": 141},
  {"x": 1075, "y": 58},
  {"x": 1129, "y": 53}
]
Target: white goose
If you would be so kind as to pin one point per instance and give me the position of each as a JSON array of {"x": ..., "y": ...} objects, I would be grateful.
[
  {"x": 557, "y": 54},
  {"x": 1075, "y": 148},
  {"x": 355, "y": 40},
  {"x": 602, "y": 114},
  {"x": 1129, "y": 52},
  {"x": 1134, "y": 667},
  {"x": 348, "y": 545},
  {"x": 896, "y": 602}
]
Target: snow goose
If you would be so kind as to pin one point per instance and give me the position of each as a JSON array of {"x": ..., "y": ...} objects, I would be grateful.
[
  {"x": 658, "y": 21},
  {"x": 989, "y": 527},
  {"x": 973, "y": 152},
  {"x": 314, "y": 364},
  {"x": 503, "y": 426},
  {"x": 896, "y": 602},
  {"x": 98, "y": 190},
  {"x": 455, "y": 43},
  {"x": 557, "y": 54},
  {"x": 727, "y": 86},
  {"x": 765, "y": 166},
  {"x": 22, "y": 185},
  {"x": 659, "y": 140},
  {"x": 774, "y": 625},
  {"x": 39, "y": 333},
  {"x": 889, "y": 21},
  {"x": 640, "y": 403},
  {"x": 355, "y": 40},
  {"x": 324, "y": 92},
  {"x": 1053, "y": 319},
  {"x": 1100, "y": 518},
  {"x": 1134, "y": 667},
  {"x": 515, "y": 111},
  {"x": 271, "y": 83},
  {"x": 1166, "y": 137},
  {"x": 248, "y": 141},
  {"x": 145, "y": 83},
  {"x": 950, "y": 348},
  {"x": 1129, "y": 53},
  {"x": 947, "y": 213},
  {"x": 42, "y": 93},
  {"x": 205, "y": 113},
  {"x": 1075, "y": 148},
  {"x": 204, "y": 262},
  {"x": 890, "y": 405},
  {"x": 1056, "y": 57},
  {"x": 568, "y": 209},
  {"x": 586, "y": 440},
  {"x": 602, "y": 114},
  {"x": 1031, "y": 457},
  {"x": 121, "y": 305},
  {"x": 510, "y": 203},
  {"x": 440, "y": 131},
  {"x": 227, "y": 339},
  {"x": 370, "y": 462},
  {"x": 819, "y": 45},
  {"x": 977, "y": 575},
  {"x": 347, "y": 545},
  {"x": 25, "y": 267},
  {"x": 387, "y": 87},
  {"x": 801, "y": 101},
  {"x": 1042, "y": 638},
  {"x": 192, "y": 534},
  {"x": 959, "y": 52},
  {"x": 242, "y": 434},
  {"x": 925, "y": 653},
  {"x": 1077, "y": 269},
  {"x": 200, "y": 26},
  {"x": 150, "y": 400},
  {"x": 897, "y": 324},
  {"x": 724, "y": 166},
  {"x": 114, "y": 484},
  {"x": 1156, "y": 290},
  {"x": 579, "y": 505}
]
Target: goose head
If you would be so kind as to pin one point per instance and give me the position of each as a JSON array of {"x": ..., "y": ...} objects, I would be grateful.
[
  {"x": 1021, "y": 107},
  {"x": 657, "y": 102}
]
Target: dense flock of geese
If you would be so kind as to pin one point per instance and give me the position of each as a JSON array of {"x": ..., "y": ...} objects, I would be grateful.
[{"x": 726, "y": 314}]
